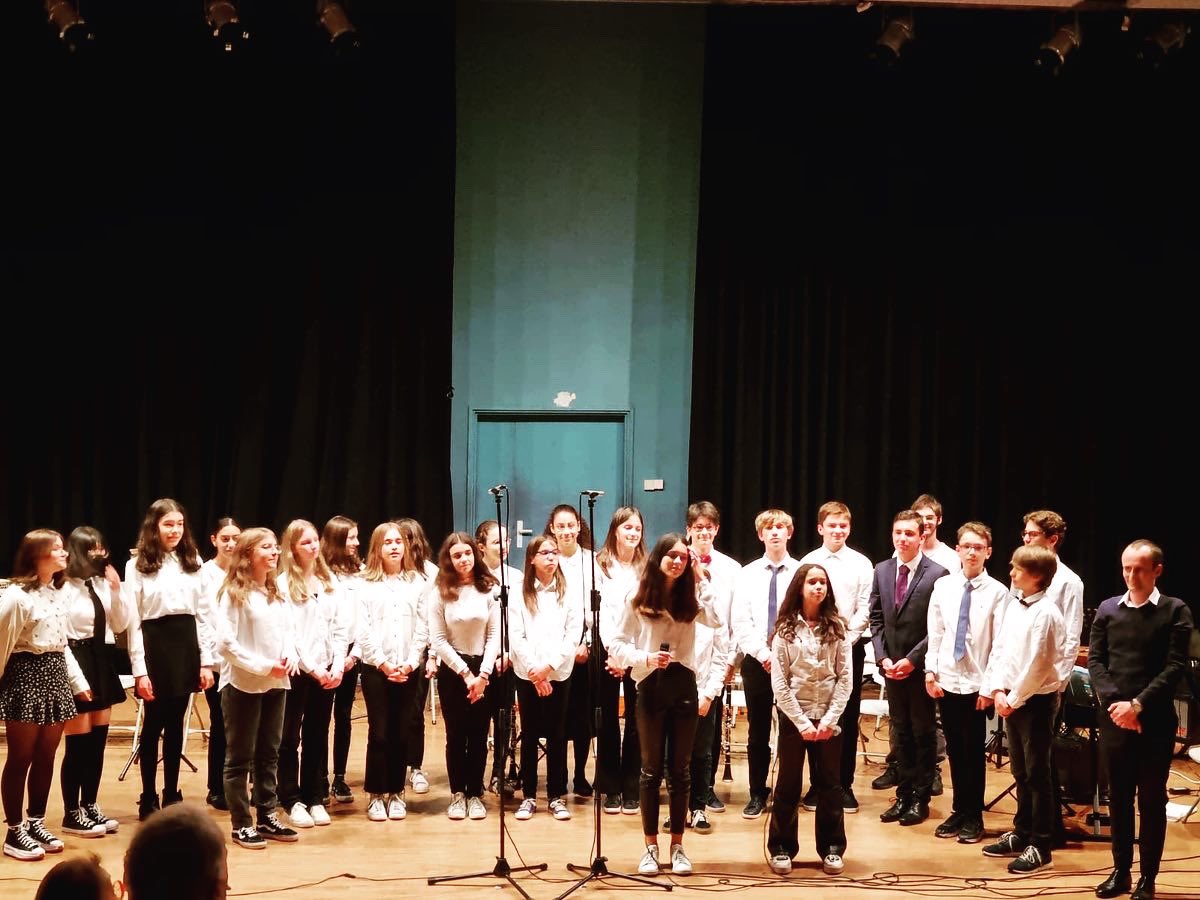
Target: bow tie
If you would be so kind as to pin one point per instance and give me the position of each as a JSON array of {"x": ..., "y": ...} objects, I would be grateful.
[{"x": 706, "y": 559}]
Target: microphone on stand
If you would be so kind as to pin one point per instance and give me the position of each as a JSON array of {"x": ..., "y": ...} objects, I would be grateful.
[
  {"x": 498, "y": 490},
  {"x": 592, "y": 494}
]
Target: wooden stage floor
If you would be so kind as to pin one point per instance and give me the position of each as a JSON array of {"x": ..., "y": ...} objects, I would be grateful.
[{"x": 357, "y": 858}]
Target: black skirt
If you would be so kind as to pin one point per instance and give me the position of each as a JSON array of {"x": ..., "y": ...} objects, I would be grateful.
[
  {"x": 99, "y": 669},
  {"x": 172, "y": 655},
  {"x": 35, "y": 688}
]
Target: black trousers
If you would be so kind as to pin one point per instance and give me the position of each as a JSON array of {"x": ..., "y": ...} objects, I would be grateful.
[
  {"x": 389, "y": 719},
  {"x": 707, "y": 726},
  {"x": 343, "y": 713},
  {"x": 253, "y": 729},
  {"x": 824, "y": 758},
  {"x": 216, "y": 737},
  {"x": 161, "y": 717},
  {"x": 543, "y": 716},
  {"x": 1031, "y": 731},
  {"x": 914, "y": 725},
  {"x": 466, "y": 729},
  {"x": 618, "y": 760},
  {"x": 966, "y": 733},
  {"x": 416, "y": 741},
  {"x": 760, "y": 703},
  {"x": 848, "y": 721},
  {"x": 304, "y": 748},
  {"x": 579, "y": 719},
  {"x": 1138, "y": 763},
  {"x": 666, "y": 705}
]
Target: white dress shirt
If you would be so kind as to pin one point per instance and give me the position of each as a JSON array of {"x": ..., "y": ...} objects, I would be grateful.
[
  {"x": 616, "y": 587},
  {"x": 36, "y": 622},
  {"x": 750, "y": 599},
  {"x": 577, "y": 570},
  {"x": 81, "y": 612},
  {"x": 319, "y": 632},
  {"x": 469, "y": 624},
  {"x": 945, "y": 556},
  {"x": 1065, "y": 590},
  {"x": 545, "y": 636},
  {"x": 639, "y": 637},
  {"x": 989, "y": 601},
  {"x": 811, "y": 678},
  {"x": 393, "y": 621},
  {"x": 1024, "y": 659},
  {"x": 850, "y": 576},
  {"x": 168, "y": 592},
  {"x": 252, "y": 639},
  {"x": 512, "y": 579}
]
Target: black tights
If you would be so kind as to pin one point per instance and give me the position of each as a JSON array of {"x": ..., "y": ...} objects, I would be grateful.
[
  {"x": 82, "y": 766},
  {"x": 162, "y": 717},
  {"x": 31, "y": 750}
]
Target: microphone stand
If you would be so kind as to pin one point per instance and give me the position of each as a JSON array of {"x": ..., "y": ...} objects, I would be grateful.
[
  {"x": 502, "y": 869},
  {"x": 599, "y": 867}
]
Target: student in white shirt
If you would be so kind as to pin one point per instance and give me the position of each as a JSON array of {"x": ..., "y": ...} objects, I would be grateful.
[
  {"x": 703, "y": 525},
  {"x": 418, "y": 543},
  {"x": 575, "y": 561},
  {"x": 464, "y": 631},
  {"x": 223, "y": 538},
  {"x": 930, "y": 511},
  {"x": 756, "y": 598},
  {"x": 618, "y": 758},
  {"x": 656, "y": 635},
  {"x": 966, "y": 611},
  {"x": 39, "y": 682},
  {"x": 542, "y": 634},
  {"x": 314, "y": 595},
  {"x": 257, "y": 644},
  {"x": 1022, "y": 679},
  {"x": 339, "y": 549},
  {"x": 494, "y": 551},
  {"x": 810, "y": 674},
  {"x": 96, "y": 609},
  {"x": 850, "y": 576},
  {"x": 170, "y": 642},
  {"x": 392, "y": 639}
]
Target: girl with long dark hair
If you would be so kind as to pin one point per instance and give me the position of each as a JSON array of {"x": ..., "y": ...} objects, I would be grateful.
[{"x": 339, "y": 549}]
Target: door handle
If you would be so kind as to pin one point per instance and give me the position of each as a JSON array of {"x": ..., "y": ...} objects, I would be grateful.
[{"x": 522, "y": 533}]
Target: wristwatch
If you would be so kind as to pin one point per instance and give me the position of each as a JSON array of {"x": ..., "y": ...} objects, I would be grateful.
[{"x": 1137, "y": 705}]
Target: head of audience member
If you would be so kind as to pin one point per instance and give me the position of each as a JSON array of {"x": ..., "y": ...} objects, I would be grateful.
[
  {"x": 774, "y": 529},
  {"x": 1141, "y": 567},
  {"x": 974, "y": 548},
  {"x": 833, "y": 525},
  {"x": 703, "y": 523},
  {"x": 908, "y": 529},
  {"x": 1033, "y": 567},
  {"x": 177, "y": 854},
  {"x": 930, "y": 511},
  {"x": 1044, "y": 528},
  {"x": 78, "y": 878}
]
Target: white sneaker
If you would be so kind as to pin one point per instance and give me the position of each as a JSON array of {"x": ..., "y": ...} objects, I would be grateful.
[
  {"x": 781, "y": 863},
  {"x": 680, "y": 864},
  {"x": 833, "y": 864},
  {"x": 527, "y": 808},
  {"x": 19, "y": 845},
  {"x": 377, "y": 809},
  {"x": 300, "y": 817},
  {"x": 319, "y": 815},
  {"x": 475, "y": 808},
  {"x": 559, "y": 809},
  {"x": 458, "y": 806},
  {"x": 36, "y": 829},
  {"x": 649, "y": 863},
  {"x": 420, "y": 784},
  {"x": 397, "y": 808}
]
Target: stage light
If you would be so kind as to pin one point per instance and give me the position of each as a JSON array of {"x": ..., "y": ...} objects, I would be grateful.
[
  {"x": 227, "y": 30},
  {"x": 1054, "y": 53},
  {"x": 1164, "y": 41},
  {"x": 73, "y": 31},
  {"x": 343, "y": 36},
  {"x": 897, "y": 34}
]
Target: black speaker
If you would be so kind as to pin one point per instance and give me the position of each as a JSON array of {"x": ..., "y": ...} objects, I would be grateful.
[{"x": 1075, "y": 767}]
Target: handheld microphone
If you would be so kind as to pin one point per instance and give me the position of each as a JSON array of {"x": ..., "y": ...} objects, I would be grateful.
[
  {"x": 592, "y": 494},
  {"x": 498, "y": 489},
  {"x": 664, "y": 647}
]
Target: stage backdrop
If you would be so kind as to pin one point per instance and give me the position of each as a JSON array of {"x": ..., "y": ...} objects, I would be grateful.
[
  {"x": 225, "y": 280},
  {"x": 956, "y": 278}
]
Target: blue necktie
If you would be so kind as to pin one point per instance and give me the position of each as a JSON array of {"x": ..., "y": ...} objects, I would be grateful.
[
  {"x": 773, "y": 600},
  {"x": 964, "y": 622}
]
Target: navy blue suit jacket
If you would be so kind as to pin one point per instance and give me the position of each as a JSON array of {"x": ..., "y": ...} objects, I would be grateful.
[{"x": 904, "y": 632}]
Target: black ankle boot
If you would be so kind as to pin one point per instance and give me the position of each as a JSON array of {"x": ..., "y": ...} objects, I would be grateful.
[{"x": 147, "y": 804}]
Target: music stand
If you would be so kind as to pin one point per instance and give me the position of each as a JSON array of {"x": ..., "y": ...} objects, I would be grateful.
[
  {"x": 502, "y": 869},
  {"x": 599, "y": 867}
]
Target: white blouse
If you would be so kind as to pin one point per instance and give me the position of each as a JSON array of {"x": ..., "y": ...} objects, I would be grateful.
[
  {"x": 81, "y": 612},
  {"x": 811, "y": 678},
  {"x": 620, "y": 583},
  {"x": 546, "y": 636},
  {"x": 393, "y": 621},
  {"x": 36, "y": 622},
  {"x": 469, "y": 624},
  {"x": 577, "y": 570},
  {"x": 252, "y": 639},
  {"x": 638, "y": 637},
  {"x": 319, "y": 632},
  {"x": 168, "y": 592}
]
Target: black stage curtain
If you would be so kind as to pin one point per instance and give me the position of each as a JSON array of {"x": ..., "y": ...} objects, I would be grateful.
[
  {"x": 228, "y": 276},
  {"x": 954, "y": 277}
]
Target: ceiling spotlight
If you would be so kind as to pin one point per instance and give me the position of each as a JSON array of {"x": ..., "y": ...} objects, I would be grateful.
[
  {"x": 1054, "y": 53},
  {"x": 334, "y": 19},
  {"x": 897, "y": 34},
  {"x": 1161, "y": 43},
  {"x": 73, "y": 31},
  {"x": 227, "y": 30}
]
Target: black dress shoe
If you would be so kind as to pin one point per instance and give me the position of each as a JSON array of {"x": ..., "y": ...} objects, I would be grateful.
[
  {"x": 889, "y": 779},
  {"x": 936, "y": 788},
  {"x": 1144, "y": 889},
  {"x": 217, "y": 801},
  {"x": 1116, "y": 884},
  {"x": 971, "y": 832},
  {"x": 895, "y": 811},
  {"x": 915, "y": 813},
  {"x": 951, "y": 827}
]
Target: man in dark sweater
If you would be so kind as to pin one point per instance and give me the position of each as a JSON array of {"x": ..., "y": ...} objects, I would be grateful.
[{"x": 1136, "y": 656}]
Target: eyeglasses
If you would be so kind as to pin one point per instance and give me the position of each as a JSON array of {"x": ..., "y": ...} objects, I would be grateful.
[
  {"x": 1030, "y": 535},
  {"x": 973, "y": 548},
  {"x": 547, "y": 553},
  {"x": 704, "y": 528}
]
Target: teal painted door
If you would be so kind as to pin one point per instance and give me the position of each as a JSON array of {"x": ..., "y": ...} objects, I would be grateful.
[{"x": 545, "y": 460}]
